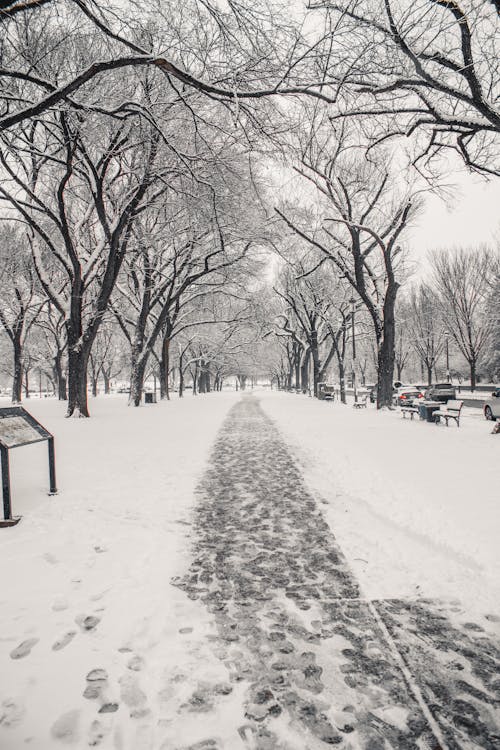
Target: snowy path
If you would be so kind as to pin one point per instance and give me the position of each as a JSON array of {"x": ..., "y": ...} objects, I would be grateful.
[{"x": 313, "y": 661}]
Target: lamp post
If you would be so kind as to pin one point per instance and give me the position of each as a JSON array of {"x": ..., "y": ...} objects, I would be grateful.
[
  {"x": 446, "y": 340},
  {"x": 353, "y": 309}
]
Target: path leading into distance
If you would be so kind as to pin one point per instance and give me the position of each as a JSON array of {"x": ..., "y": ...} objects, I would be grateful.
[{"x": 322, "y": 665}]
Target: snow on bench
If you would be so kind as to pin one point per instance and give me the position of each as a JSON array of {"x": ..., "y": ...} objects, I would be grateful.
[
  {"x": 450, "y": 410},
  {"x": 361, "y": 404},
  {"x": 411, "y": 410}
]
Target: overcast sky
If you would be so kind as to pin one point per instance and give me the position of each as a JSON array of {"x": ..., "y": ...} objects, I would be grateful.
[{"x": 471, "y": 218}]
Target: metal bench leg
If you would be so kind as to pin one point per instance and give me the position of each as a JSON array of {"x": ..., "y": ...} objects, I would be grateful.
[{"x": 7, "y": 511}]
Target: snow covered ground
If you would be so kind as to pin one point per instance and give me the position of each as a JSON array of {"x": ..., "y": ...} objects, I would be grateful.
[
  {"x": 414, "y": 506},
  {"x": 105, "y": 548},
  {"x": 86, "y": 574}
]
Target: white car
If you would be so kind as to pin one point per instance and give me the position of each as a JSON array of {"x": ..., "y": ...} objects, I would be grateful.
[
  {"x": 406, "y": 395},
  {"x": 491, "y": 407}
]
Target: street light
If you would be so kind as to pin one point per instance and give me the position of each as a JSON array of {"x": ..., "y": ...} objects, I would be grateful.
[
  {"x": 446, "y": 339},
  {"x": 353, "y": 309}
]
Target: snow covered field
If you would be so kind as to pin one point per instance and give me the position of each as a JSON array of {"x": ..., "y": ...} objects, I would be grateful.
[
  {"x": 86, "y": 574},
  {"x": 414, "y": 506},
  {"x": 106, "y": 548}
]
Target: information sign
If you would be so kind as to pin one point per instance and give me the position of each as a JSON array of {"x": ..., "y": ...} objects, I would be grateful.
[{"x": 17, "y": 428}]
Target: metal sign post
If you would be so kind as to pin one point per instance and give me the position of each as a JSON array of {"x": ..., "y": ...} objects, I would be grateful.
[{"x": 17, "y": 428}]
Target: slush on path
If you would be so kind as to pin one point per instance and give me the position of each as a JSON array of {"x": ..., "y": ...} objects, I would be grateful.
[{"x": 321, "y": 664}]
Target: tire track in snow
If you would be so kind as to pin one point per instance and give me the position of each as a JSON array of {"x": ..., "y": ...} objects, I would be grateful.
[{"x": 321, "y": 665}]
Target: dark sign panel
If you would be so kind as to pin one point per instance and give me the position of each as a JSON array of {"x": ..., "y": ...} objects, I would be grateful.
[{"x": 18, "y": 427}]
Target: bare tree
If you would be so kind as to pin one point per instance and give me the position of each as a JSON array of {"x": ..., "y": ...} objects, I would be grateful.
[
  {"x": 423, "y": 320},
  {"x": 244, "y": 54},
  {"x": 462, "y": 279},
  {"x": 315, "y": 316},
  {"x": 80, "y": 195},
  {"x": 21, "y": 300},
  {"x": 357, "y": 224},
  {"x": 428, "y": 69}
]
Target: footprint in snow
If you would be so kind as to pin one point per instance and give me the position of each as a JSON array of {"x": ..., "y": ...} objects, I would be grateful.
[
  {"x": 109, "y": 708},
  {"x": 133, "y": 697},
  {"x": 64, "y": 640},
  {"x": 24, "y": 648},
  {"x": 66, "y": 727},
  {"x": 11, "y": 713},
  {"x": 97, "y": 733},
  {"x": 97, "y": 680},
  {"x": 135, "y": 663},
  {"x": 87, "y": 622}
]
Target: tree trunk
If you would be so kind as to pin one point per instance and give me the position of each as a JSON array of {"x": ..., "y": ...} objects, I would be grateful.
[
  {"x": 297, "y": 366},
  {"x": 472, "y": 366},
  {"x": 77, "y": 382},
  {"x": 17, "y": 381},
  {"x": 201, "y": 378},
  {"x": 386, "y": 348},
  {"x": 107, "y": 381},
  {"x": 164, "y": 368},
  {"x": 385, "y": 374},
  {"x": 78, "y": 356},
  {"x": 59, "y": 377},
  {"x": 316, "y": 362},
  {"x": 304, "y": 372},
  {"x": 62, "y": 389},
  {"x": 181, "y": 376},
  {"x": 340, "y": 364},
  {"x": 428, "y": 367},
  {"x": 195, "y": 378},
  {"x": 163, "y": 379},
  {"x": 137, "y": 374}
]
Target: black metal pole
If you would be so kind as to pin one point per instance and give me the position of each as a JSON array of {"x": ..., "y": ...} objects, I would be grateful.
[
  {"x": 52, "y": 467},
  {"x": 7, "y": 510}
]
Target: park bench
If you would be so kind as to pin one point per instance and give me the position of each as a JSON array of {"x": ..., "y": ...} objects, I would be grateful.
[
  {"x": 450, "y": 410},
  {"x": 411, "y": 410},
  {"x": 361, "y": 404}
]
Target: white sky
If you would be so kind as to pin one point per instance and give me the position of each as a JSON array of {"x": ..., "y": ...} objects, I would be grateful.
[{"x": 471, "y": 217}]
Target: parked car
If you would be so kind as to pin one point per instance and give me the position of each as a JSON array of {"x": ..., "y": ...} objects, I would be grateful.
[
  {"x": 491, "y": 407},
  {"x": 441, "y": 392},
  {"x": 407, "y": 395}
]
